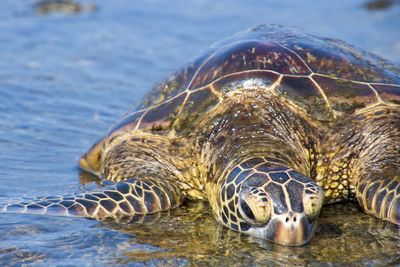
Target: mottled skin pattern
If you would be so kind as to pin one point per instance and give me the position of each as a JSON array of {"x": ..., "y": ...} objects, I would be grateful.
[{"x": 267, "y": 126}]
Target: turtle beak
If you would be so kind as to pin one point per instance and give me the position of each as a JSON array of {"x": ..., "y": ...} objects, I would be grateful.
[{"x": 290, "y": 229}]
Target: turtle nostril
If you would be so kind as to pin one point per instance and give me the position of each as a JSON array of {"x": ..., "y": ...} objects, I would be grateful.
[{"x": 291, "y": 218}]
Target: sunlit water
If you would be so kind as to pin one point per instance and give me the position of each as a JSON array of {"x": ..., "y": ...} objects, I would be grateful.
[{"x": 64, "y": 79}]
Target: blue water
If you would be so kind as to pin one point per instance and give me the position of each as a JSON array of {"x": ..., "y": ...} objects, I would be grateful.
[{"x": 65, "y": 78}]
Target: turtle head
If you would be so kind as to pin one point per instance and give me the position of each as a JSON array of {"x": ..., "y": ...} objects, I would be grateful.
[{"x": 280, "y": 206}]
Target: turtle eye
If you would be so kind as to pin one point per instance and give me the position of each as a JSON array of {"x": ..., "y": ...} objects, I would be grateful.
[
  {"x": 254, "y": 209},
  {"x": 247, "y": 211},
  {"x": 312, "y": 201}
]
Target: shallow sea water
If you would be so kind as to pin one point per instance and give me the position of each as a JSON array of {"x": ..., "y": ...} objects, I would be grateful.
[{"x": 65, "y": 78}]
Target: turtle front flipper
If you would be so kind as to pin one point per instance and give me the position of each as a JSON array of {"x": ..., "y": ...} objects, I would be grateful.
[
  {"x": 146, "y": 179},
  {"x": 380, "y": 197},
  {"x": 127, "y": 198},
  {"x": 377, "y": 168}
]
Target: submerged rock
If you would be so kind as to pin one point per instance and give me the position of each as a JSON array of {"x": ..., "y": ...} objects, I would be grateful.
[{"x": 44, "y": 7}]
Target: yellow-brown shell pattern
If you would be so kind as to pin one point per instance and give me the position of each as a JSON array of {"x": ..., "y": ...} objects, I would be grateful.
[{"x": 325, "y": 78}]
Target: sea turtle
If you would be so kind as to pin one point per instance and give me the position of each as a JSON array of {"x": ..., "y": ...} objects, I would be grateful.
[{"x": 267, "y": 126}]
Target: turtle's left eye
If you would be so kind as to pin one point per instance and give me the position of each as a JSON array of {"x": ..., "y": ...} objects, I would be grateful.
[{"x": 312, "y": 201}]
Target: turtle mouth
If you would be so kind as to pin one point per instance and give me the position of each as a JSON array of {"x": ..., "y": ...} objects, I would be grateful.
[{"x": 288, "y": 230}]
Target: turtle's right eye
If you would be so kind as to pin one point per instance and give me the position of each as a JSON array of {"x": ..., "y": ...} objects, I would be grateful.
[
  {"x": 255, "y": 207},
  {"x": 247, "y": 211}
]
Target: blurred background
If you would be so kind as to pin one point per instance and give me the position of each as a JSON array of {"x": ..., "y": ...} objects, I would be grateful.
[{"x": 69, "y": 69}]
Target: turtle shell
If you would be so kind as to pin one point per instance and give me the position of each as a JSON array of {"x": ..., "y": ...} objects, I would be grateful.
[{"x": 325, "y": 78}]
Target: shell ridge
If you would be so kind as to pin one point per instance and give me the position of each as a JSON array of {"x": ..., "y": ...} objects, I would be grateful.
[
  {"x": 370, "y": 84},
  {"x": 297, "y": 55}
]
